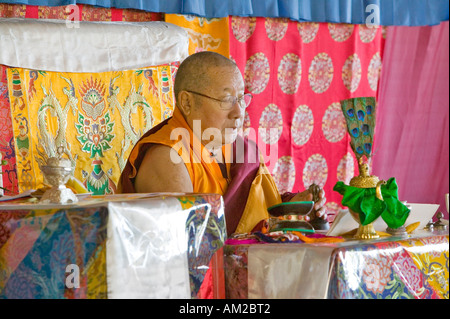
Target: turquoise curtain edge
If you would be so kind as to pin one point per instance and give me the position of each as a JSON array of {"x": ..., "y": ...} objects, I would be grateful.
[{"x": 380, "y": 12}]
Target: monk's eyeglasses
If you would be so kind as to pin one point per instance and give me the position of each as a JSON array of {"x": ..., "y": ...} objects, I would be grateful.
[{"x": 228, "y": 102}]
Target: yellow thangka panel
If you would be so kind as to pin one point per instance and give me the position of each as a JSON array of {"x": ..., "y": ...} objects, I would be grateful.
[
  {"x": 204, "y": 34},
  {"x": 94, "y": 118}
]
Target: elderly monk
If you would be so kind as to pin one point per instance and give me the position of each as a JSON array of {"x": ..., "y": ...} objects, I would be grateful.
[{"x": 199, "y": 149}]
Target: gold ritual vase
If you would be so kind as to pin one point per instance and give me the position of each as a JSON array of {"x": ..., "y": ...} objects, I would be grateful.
[{"x": 364, "y": 180}]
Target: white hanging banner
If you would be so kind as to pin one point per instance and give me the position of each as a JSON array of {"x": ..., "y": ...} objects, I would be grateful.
[{"x": 67, "y": 46}]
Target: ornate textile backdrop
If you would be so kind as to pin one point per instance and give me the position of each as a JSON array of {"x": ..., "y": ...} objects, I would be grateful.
[
  {"x": 298, "y": 73},
  {"x": 96, "y": 118},
  {"x": 9, "y": 176}
]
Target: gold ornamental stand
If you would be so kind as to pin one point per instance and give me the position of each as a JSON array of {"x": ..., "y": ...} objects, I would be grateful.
[{"x": 364, "y": 180}]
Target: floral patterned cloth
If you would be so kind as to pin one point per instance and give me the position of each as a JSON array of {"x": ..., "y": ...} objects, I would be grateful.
[
  {"x": 388, "y": 269},
  {"x": 412, "y": 268},
  {"x": 36, "y": 246}
]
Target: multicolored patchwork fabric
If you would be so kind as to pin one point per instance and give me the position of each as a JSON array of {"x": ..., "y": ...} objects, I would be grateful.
[
  {"x": 412, "y": 268},
  {"x": 205, "y": 210},
  {"x": 402, "y": 269},
  {"x": 94, "y": 119},
  {"x": 37, "y": 246}
]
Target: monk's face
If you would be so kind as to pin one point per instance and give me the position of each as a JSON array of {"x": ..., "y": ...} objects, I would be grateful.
[{"x": 215, "y": 116}]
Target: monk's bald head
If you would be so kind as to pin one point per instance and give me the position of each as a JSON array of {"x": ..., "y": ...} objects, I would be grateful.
[{"x": 194, "y": 73}]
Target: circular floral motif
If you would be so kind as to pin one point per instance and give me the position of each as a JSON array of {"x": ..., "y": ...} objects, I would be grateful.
[
  {"x": 276, "y": 28},
  {"x": 246, "y": 126},
  {"x": 346, "y": 168},
  {"x": 376, "y": 273},
  {"x": 332, "y": 209},
  {"x": 302, "y": 125},
  {"x": 374, "y": 71},
  {"x": 243, "y": 27},
  {"x": 351, "y": 72},
  {"x": 307, "y": 30},
  {"x": 367, "y": 34},
  {"x": 315, "y": 171},
  {"x": 334, "y": 126},
  {"x": 340, "y": 31},
  {"x": 257, "y": 73},
  {"x": 284, "y": 174},
  {"x": 290, "y": 73},
  {"x": 270, "y": 124},
  {"x": 321, "y": 73}
]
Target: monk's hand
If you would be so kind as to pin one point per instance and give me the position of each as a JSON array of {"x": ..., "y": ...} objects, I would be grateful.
[{"x": 319, "y": 205}]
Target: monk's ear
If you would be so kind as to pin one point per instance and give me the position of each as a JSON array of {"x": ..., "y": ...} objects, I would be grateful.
[{"x": 185, "y": 102}]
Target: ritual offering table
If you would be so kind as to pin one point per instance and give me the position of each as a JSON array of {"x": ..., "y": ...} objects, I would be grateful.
[
  {"x": 410, "y": 267},
  {"x": 117, "y": 246}
]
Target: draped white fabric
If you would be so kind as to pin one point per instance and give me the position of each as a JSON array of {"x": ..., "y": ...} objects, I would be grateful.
[
  {"x": 89, "y": 46},
  {"x": 146, "y": 250}
]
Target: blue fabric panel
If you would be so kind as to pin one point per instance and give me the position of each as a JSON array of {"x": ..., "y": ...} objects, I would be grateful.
[{"x": 391, "y": 12}]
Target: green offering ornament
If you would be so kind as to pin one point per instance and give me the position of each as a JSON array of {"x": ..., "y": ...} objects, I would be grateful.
[
  {"x": 369, "y": 207},
  {"x": 367, "y": 197}
]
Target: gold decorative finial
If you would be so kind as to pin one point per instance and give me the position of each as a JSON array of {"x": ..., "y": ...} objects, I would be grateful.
[{"x": 364, "y": 179}]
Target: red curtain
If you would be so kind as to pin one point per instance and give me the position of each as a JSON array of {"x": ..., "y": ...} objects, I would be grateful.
[
  {"x": 412, "y": 134},
  {"x": 298, "y": 73},
  {"x": 84, "y": 12}
]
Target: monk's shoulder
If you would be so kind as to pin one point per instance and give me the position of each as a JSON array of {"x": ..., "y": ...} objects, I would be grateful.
[{"x": 162, "y": 170}]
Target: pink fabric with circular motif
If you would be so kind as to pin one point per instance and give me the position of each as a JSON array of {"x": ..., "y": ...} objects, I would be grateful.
[
  {"x": 290, "y": 73},
  {"x": 315, "y": 171},
  {"x": 346, "y": 168},
  {"x": 270, "y": 124},
  {"x": 302, "y": 125},
  {"x": 242, "y": 27},
  {"x": 340, "y": 32},
  {"x": 333, "y": 123},
  {"x": 298, "y": 72},
  {"x": 257, "y": 73},
  {"x": 276, "y": 28},
  {"x": 367, "y": 34},
  {"x": 284, "y": 174},
  {"x": 373, "y": 74},
  {"x": 351, "y": 72},
  {"x": 308, "y": 31},
  {"x": 321, "y": 72}
]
